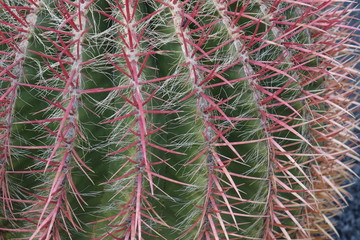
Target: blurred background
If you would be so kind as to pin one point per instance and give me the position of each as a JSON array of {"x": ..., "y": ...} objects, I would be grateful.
[{"x": 348, "y": 223}]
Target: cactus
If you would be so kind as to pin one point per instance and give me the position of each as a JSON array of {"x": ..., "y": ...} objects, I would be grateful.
[{"x": 167, "y": 119}]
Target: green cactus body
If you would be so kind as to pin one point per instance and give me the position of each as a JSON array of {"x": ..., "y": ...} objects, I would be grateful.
[{"x": 167, "y": 119}]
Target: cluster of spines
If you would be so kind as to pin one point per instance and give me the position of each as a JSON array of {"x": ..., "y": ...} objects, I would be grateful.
[
  {"x": 15, "y": 35},
  {"x": 210, "y": 221},
  {"x": 302, "y": 150},
  {"x": 50, "y": 211},
  {"x": 136, "y": 215}
]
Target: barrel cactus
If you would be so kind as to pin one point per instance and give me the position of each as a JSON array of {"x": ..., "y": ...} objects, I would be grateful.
[{"x": 167, "y": 119}]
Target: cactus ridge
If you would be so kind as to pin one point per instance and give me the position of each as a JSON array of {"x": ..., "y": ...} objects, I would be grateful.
[{"x": 167, "y": 119}]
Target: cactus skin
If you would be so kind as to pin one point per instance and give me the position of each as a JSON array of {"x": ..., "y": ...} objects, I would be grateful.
[{"x": 167, "y": 119}]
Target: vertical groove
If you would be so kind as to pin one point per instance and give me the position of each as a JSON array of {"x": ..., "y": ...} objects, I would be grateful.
[
  {"x": 216, "y": 206},
  {"x": 55, "y": 209},
  {"x": 137, "y": 214},
  {"x": 13, "y": 72},
  {"x": 273, "y": 146}
]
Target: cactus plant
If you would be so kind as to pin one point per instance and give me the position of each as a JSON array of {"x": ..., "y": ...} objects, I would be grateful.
[{"x": 167, "y": 119}]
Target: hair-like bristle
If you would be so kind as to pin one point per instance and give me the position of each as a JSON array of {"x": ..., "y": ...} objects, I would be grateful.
[{"x": 168, "y": 119}]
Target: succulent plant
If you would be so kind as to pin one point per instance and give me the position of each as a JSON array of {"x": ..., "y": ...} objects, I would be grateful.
[{"x": 167, "y": 119}]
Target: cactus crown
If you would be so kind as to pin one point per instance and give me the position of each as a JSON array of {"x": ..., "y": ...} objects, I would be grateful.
[{"x": 167, "y": 119}]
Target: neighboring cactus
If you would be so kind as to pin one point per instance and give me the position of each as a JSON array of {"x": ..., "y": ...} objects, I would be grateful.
[{"x": 167, "y": 119}]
